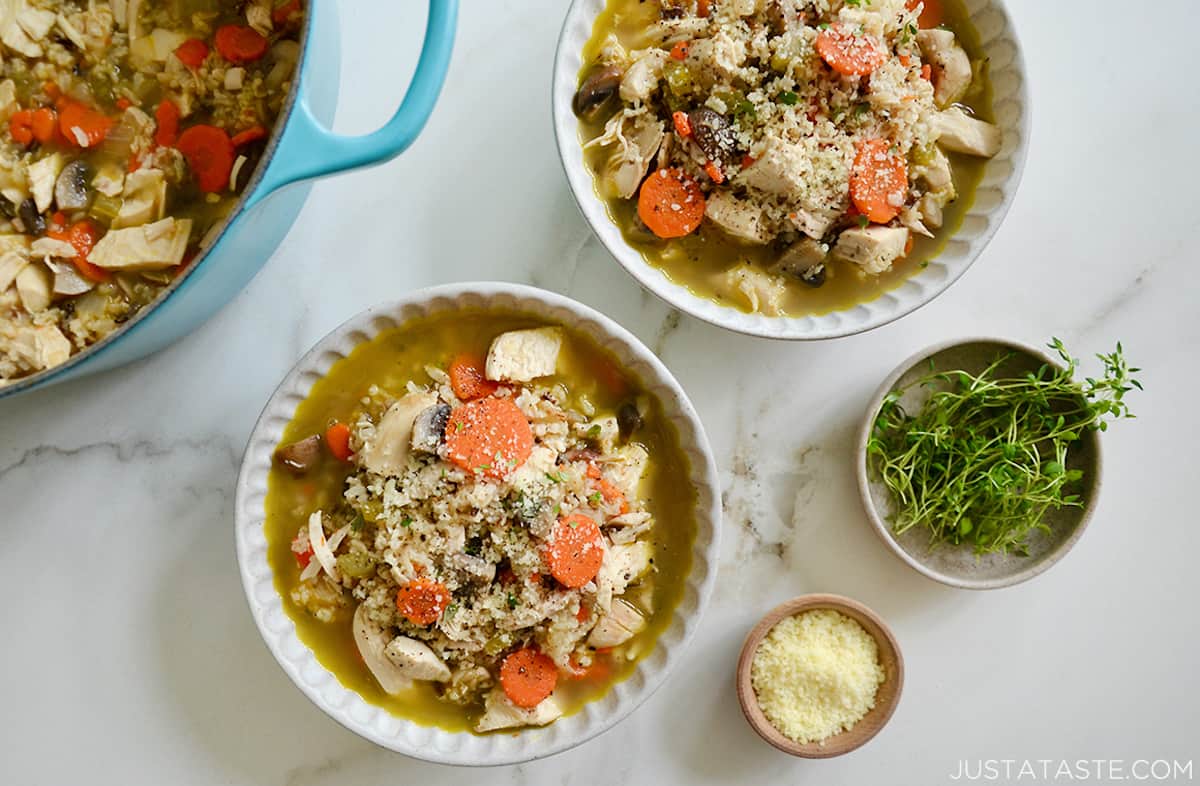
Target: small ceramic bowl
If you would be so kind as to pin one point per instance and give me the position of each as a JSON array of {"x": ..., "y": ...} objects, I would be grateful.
[
  {"x": 958, "y": 566},
  {"x": 1002, "y": 175},
  {"x": 376, "y": 724},
  {"x": 886, "y": 698}
]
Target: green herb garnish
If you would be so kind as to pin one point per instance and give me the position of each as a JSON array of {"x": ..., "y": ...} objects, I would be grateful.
[
  {"x": 512, "y": 601},
  {"x": 407, "y": 522},
  {"x": 987, "y": 456},
  {"x": 788, "y": 98}
]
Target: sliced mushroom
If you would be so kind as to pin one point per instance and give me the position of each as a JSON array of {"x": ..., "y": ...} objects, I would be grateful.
[
  {"x": 71, "y": 191},
  {"x": 596, "y": 92},
  {"x": 300, "y": 456},
  {"x": 629, "y": 419},
  {"x": 805, "y": 260},
  {"x": 387, "y": 452},
  {"x": 714, "y": 134},
  {"x": 430, "y": 427},
  {"x": 67, "y": 281},
  {"x": 372, "y": 644},
  {"x": 31, "y": 217}
]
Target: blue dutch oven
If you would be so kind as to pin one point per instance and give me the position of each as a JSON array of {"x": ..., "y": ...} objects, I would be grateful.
[{"x": 301, "y": 148}]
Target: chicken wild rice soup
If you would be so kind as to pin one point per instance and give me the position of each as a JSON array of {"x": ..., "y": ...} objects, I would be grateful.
[
  {"x": 786, "y": 157},
  {"x": 129, "y": 130},
  {"x": 476, "y": 521}
]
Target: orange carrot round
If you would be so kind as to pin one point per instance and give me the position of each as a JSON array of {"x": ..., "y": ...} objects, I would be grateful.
[
  {"x": 422, "y": 601},
  {"x": 931, "y": 15},
  {"x": 240, "y": 44},
  {"x": 20, "y": 126},
  {"x": 878, "y": 181},
  {"x": 467, "y": 378},
  {"x": 671, "y": 203},
  {"x": 575, "y": 551},
  {"x": 680, "y": 50},
  {"x": 81, "y": 125},
  {"x": 337, "y": 439},
  {"x": 848, "y": 53},
  {"x": 192, "y": 53},
  {"x": 528, "y": 677},
  {"x": 45, "y": 125},
  {"x": 489, "y": 435},
  {"x": 252, "y": 134},
  {"x": 167, "y": 117},
  {"x": 210, "y": 154}
]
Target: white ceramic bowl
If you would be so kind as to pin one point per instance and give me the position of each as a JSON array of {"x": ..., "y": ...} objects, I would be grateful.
[
  {"x": 375, "y": 723},
  {"x": 992, "y": 201}
]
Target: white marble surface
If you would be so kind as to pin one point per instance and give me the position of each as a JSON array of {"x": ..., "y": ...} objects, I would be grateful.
[{"x": 128, "y": 655}]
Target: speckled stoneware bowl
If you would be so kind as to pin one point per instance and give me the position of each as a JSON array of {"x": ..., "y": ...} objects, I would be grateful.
[
  {"x": 958, "y": 566},
  {"x": 1001, "y": 177},
  {"x": 375, "y": 723}
]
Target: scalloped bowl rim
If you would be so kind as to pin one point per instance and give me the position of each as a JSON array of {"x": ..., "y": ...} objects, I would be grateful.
[
  {"x": 919, "y": 289},
  {"x": 375, "y": 723}
]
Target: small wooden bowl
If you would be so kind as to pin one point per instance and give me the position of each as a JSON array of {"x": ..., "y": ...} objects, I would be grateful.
[{"x": 886, "y": 699}]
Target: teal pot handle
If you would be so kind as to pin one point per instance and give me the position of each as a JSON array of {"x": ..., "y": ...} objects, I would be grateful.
[{"x": 308, "y": 149}]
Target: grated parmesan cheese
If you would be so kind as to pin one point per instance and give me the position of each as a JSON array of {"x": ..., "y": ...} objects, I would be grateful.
[{"x": 816, "y": 674}]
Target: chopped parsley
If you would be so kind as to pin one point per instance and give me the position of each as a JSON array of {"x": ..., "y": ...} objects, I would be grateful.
[
  {"x": 407, "y": 522},
  {"x": 512, "y": 601},
  {"x": 788, "y": 98}
]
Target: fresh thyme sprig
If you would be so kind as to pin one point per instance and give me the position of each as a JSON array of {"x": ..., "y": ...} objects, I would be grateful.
[{"x": 986, "y": 457}]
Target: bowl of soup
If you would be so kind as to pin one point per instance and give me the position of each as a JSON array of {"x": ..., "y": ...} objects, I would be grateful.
[
  {"x": 787, "y": 170},
  {"x": 146, "y": 147},
  {"x": 478, "y": 525}
]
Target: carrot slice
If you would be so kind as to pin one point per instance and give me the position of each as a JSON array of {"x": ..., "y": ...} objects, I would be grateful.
[
  {"x": 848, "y": 53},
  {"x": 680, "y": 50},
  {"x": 528, "y": 677},
  {"x": 878, "y": 181},
  {"x": 192, "y": 53},
  {"x": 422, "y": 601},
  {"x": 167, "y": 117},
  {"x": 467, "y": 378},
  {"x": 252, "y": 134},
  {"x": 45, "y": 125},
  {"x": 714, "y": 172},
  {"x": 240, "y": 44},
  {"x": 81, "y": 125},
  {"x": 20, "y": 126},
  {"x": 489, "y": 435},
  {"x": 337, "y": 439},
  {"x": 671, "y": 203},
  {"x": 931, "y": 14},
  {"x": 286, "y": 13},
  {"x": 82, "y": 236},
  {"x": 210, "y": 154},
  {"x": 575, "y": 551},
  {"x": 683, "y": 125}
]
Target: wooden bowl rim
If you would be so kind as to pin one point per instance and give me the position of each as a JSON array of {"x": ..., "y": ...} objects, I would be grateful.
[{"x": 859, "y": 734}]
